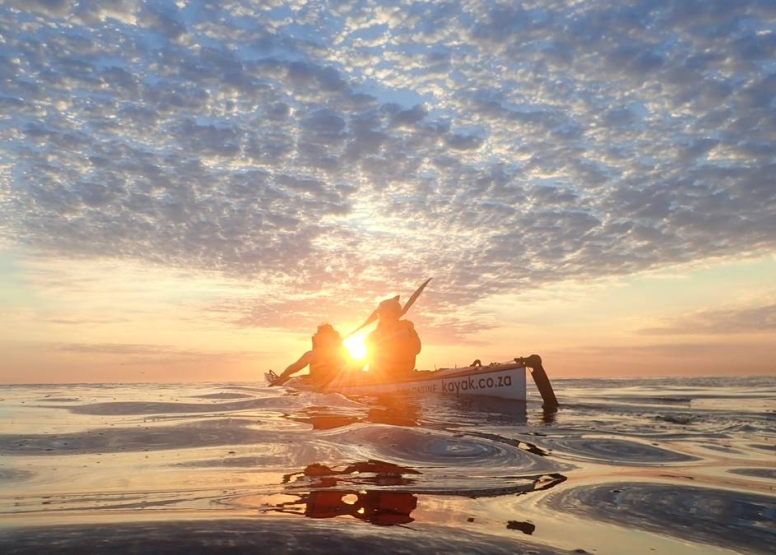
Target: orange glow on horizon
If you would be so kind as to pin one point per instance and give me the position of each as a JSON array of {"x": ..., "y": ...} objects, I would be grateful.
[{"x": 80, "y": 321}]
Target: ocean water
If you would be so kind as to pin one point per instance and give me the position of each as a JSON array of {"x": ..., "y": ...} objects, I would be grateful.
[{"x": 674, "y": 466}]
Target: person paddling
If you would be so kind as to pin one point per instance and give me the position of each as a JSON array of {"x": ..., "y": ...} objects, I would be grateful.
[
  {"x": 392, "y": 347},
  {"x": 394, "y": 344},
  {"x": 326, "y": 359}
]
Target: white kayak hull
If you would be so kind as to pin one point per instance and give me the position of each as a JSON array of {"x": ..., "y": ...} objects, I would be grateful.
[{"x": 505, "y": 381}]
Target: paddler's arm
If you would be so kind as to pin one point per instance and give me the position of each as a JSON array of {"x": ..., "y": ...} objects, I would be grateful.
[{"x": 293, "y": 368}]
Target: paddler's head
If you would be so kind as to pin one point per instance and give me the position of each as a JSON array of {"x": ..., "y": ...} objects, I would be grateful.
[
  {"x": 326, "y": 336},
  {"x": 389, "y": 310}
]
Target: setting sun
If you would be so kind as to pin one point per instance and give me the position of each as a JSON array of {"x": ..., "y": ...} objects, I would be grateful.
[{"x": 356, "y": 347}]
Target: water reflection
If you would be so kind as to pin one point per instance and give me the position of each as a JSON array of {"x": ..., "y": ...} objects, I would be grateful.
[
  {"x": 371, "y": 472},
  {"x": 394, "y": 411},
  {"x": 548, "y": 415},
  {"x": 383, "y": 508},
  {"x": 321, "y": 418},
  {"x": 524, "y": 445},
  {"x": 523, "y": 525},
  {"x": 358, "y": 491},
  {"x": 494, "y": 410},
  {"x": 410, "y": 412},
  {"x": 376, "y": 506}
]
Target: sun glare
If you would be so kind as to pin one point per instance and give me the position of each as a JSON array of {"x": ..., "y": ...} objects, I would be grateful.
[{"x": 356, "y": 347}]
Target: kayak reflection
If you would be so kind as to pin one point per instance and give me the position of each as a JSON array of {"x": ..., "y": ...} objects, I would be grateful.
[
  {"x": 376, "y": 506},
  {"x": 393, "y": 411},
  {"x": 321, "y": 418},
  {"x": 410, "y": 412},
  {"x": 383, "y": 508},
  {"x": 371, "y": 472},
  {"x": 358, "y": 491},
  {"x": 396, "y": 411}
]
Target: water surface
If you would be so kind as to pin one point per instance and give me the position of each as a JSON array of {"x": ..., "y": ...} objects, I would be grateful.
[{"x": 639, "y": 466}]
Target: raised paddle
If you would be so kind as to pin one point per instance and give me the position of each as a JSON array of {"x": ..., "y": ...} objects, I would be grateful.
[
  {"x": 414, "y": 297},
  {"x": 372, "y": 318},
  {"x": 410, "y": 302}
]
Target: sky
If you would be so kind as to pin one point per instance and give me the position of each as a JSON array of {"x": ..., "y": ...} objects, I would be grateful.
[{"x": 188, "y": 188}]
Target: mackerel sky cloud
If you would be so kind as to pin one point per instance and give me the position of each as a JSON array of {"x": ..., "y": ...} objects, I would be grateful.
[{"x": 502, "y": 147}]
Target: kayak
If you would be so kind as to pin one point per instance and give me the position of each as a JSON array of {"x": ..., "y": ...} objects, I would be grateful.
[{"x": 504, "y": 380}]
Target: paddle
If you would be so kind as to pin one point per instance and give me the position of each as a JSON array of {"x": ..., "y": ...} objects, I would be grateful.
[
  {"x": 414, "y": 297},
  {"x": 410, "y": 302},
  {"x": 275, "y": 380},
  {"x": 372, "y": 318}
]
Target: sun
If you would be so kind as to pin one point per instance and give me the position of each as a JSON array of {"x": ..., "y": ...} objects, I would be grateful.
[{"x": 356, "y": 347}]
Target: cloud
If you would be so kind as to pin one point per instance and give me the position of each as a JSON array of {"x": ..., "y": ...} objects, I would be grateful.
[
  {"x": 380, "y": 145},
  {"x": 138, "y": 354},
  {"x": 761, "y": 319}
]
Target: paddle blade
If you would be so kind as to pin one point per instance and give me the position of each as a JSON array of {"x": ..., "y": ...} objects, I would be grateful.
[{"x": 414, "y": 297}]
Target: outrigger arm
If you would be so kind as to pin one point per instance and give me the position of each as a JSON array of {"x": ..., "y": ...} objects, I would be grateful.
[{"x": 534, "y": 363}]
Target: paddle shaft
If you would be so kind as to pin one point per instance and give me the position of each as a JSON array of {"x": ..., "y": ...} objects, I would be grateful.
[{"x": 407, "y": 306}]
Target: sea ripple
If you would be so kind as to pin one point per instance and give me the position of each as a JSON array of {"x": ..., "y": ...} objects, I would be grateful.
[{"x": 721, "y": 517}]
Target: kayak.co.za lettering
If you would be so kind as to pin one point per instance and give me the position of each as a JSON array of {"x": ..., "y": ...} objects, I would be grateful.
[
  {"x": 472, "y": 383},
  {"x": 455, "y": 386}
]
